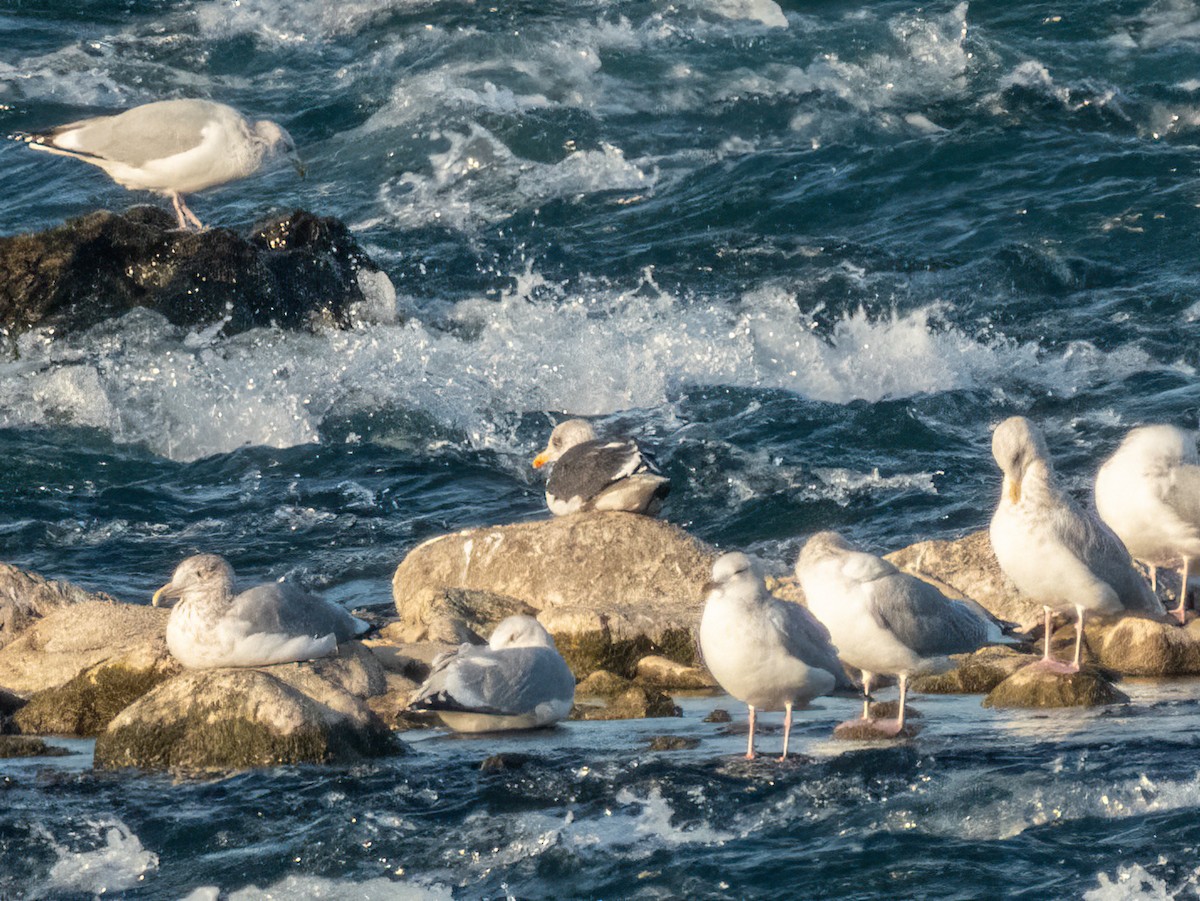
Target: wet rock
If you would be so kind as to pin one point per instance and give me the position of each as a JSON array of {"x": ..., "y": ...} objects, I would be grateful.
[
  {"x": 1031, "y": 686},
  {"x": 662, "y": 672},
  {"x": 83, "y": 637},
  {"x": 873, "y": 730},
  {"x": 222, "y": 719},
  {"x": 603, "y": 684},
  {"x": 1144, "y": 647},
  {"x": 499, "y": 763},
  {"x": 718, "y": 716},
  {"x": 672, "y": 743},
  {"x": 635, "y": 703},
  {"x": 889, "y": 710},
  {"x": 26, "y": 597},
  {"x": 295, "y": 271},
  {"x": 87, "y": 704},
  {"x": 967, "y": 567},
  {"x": 390, "y": 705},
  {"x": 610, "y": 587},
  {"x": 27, "y": 746},
  {"x": 10, "y": 703},
  {"x": 413, "y": 660},
  {"x": 976, "y": 673}
]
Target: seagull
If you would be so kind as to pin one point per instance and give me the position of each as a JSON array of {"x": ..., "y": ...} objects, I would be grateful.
[
  {"x": 518, "y": 680},
  {"x": 273, "y": 623},
  {"x": 886, "y": 621},
  {"x": 1148, "y": 492},
  {"x": 172, "y": 147},
  {"x": 1054, "y": 551},
  {"x": 768, "y": 653},
  {"x": 590, "y": 474}
]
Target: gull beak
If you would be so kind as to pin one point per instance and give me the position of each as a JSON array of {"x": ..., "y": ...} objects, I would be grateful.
[
  {"x": 541, "y": 460},
  {"x": 156, "y": 601},
  {"x": 1014, "y": 491}
]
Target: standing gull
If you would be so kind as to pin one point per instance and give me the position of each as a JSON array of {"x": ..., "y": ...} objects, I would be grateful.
[
  {"x": 172, "y": 147},
  {"x": 590, "y": 474},
  {"x": 1060, "y": 555},
  {"x": 518, "y": 680},
  {"x": 272, "y": 623},
  {"x": 1148, "y": 492},
  {"x": 885, "y": 621},
  {"x": 768, "y": 653}
]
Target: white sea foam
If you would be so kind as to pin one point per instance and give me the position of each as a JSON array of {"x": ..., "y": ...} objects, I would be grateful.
[
  {"x": 539, "y": 347},
  {"x": 1136, "y": 883},
  {"x": 119, "y": 864},
  {"x": 310, "y": 888}
]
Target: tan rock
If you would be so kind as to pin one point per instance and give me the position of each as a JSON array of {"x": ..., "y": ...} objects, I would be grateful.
[
  {"x": 662, "y": 672},
  {"x": 27, "y": 746},
  {"x": 635, "y": 703},
  {"x": 976, "y": 673},
  {"x": 610, "y": 587},
  {"x": 602, "y": 684},
  {"x": 1031, "y": 686},
  {"x": 1144, "y": 647},
  {"x": 236, "y": 718},
  {"x": 72, "y": 640},
  {"x": 967, "y": 567},
  {"x": 26, "y": 597},
  {"x": 869, "y": 730}
]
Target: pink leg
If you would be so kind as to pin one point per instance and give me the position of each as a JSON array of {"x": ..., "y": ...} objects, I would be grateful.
[
  {"x": 1181, "y": 611},
  {"x": 1047, "y": 662},
  {"x": 903, "y": 700},
  {"x": 866, "y": 695},
  {"x": 1049, "y": 624},
  {"x": 184, "y": 215},
  {"x": 1078, "y": 639},
  {"x": 1154, "y": 578},
  {"x": 787, "y": 728},
  {"x": 750, "y": 741}
]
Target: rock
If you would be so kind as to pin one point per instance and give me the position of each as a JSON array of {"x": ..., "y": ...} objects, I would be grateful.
[
  {"x": 610, "y": 587},
  {"x": 603, "y": 684},
  {"x": 1144, "y": 647},
  {"x": 889, "y": 710},
  {"x": 672, "y": 743},
  {"x": 80, "y": 638},
  {"x": 86, "y": 705},
  {"x": 221, "y": 719},
  {"x": 10, "y": 703},
  {"x": 295, "y": 271},
  {"x": 26, "y": 597},
  {"x": 976, "y": 673},
  {"x": 635, "y": 703},
  {"x": 1034, "y": 687},
  {"x": 26, "y": 746},
  {"x": 413, "y": 660},
  {"x": 967, "y": 567},
  {"x": 662, "y": 672},
  {"x": 868, "y": 730},
  {"x": 499, "y": 763},
  {"x": 718, "y": 716},
  {"x": 390, "y": 705},
  {"x": 456, "y": 615}
]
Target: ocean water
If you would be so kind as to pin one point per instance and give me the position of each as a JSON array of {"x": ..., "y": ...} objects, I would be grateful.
[{"x": 809, "y": 253}]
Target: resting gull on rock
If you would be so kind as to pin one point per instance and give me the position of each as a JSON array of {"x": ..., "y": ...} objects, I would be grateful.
[
  {"x": 518, "y": 680},
  {"x": 769, "y": 654},
  {"x": 272, "y": 623},
  {"x": 172, "y": 147},
  {"x": 1057, "y": 553},
  {"x": 885, "y": 621},
  {"x": 1148, "y": 492},
  {"x": 590, "y": 474}
]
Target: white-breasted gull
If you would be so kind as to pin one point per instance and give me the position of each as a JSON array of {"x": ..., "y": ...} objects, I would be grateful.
[
  {"x": 171, "y": 147},
  {"x": 593, "y": 474},
  {"x": 1059, "y": 554},
  {"x": 211, "y": 626},
  {"x": 768, "y": 653},
  {"x": 884, "y": 621},
  {"x": 1148, "y": 492},
  {"x": 518, "y": 680}
]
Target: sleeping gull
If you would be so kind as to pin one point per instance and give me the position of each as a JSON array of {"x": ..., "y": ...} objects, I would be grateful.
[
  {"x": 1148, "y": 492},
  {"x": 590, "y": 474},
  {"x": 886, "y": 621},
  {"x": 768, "y": 653},
  {"x": 172, "y": 147},
  {"x": 1054, "y": 551},
  {"x": 272, "y": 623},
  {"x": 518, "y": 680}
]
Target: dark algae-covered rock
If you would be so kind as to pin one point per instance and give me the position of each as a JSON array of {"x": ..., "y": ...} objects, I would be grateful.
[
  {"x": 28, "y": 746},
  {"x": 1032, "y": 686},
  {"x": 86, "y": 704},
  {"x": 295, "y": 271}
]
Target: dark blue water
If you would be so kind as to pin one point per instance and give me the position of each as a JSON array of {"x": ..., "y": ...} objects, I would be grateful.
[{"x": 810, "y": 253}]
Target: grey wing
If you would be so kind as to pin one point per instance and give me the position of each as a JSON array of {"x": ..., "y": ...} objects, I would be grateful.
[
  {"x": 508, "y": 682},
  {"x": 283, "y": 608},
  {"x": 588, "y": 468},
  {"x": 924, "y": 619},
  {"x": 805, "y": 637},
  {"x": 1105, "y": 555},
  {"x": 1184, "y": 500},
  {"x": 151, "y": 132}
]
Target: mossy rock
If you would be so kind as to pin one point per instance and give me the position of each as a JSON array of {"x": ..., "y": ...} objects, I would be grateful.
[
  {"x": 672, "y": 743},
  {"x": 587, "y": 652},
  {"x": 636, "y": 703},
  {"x": 1034, "y": 687},
  {"x": 602, "y": 684},
  {"x": 87, "y": 704},
  {"x": 27, "y": 746},
  {"x": 976, "y": 673}
]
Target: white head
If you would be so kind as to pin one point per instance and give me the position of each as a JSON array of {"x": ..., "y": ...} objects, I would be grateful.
[
  {"x": 276, "y": 140},
  {"x": 520, "y": 632},
  {"x": 204, "y": 574},
  {"x": 821, "y": 547},
  {"x": 565, "y": 436},
  {"x": 1017, "y": 445},
  {"x": 734, "y": 572}
]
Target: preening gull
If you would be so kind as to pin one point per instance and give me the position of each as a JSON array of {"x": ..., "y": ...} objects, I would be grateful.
[
  {"x": 1054, "y": 551},
  {"x": 1148, "y": 492},
  {"x": 172, "y": 147},
  {"x": 271, "y": 623},
  {"x": 518, "y": 680},
  {"x": 885, "y": 621},
  {"x": 768, "y": 653},
  {"x": 590, "y": 474}
]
